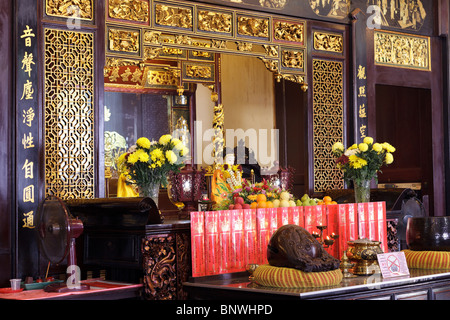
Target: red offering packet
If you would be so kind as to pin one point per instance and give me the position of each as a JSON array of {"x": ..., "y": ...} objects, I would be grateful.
[
  {"x": 309, "y": 219},
  {"x": 382, "y": 225},
  {"x": 224, "y": 245},
  {"x": 198, "y": 243},
  {"x": 212, "y": 242},
  {"x": 263, "y": 235},
  {"x": 295, "y": 216},
  {"x": 371, "y": 221},
  {"x": 362, "y": 220},
  {"x": 343, "y": 234},
  {"x": 283, "y": 215},
  {"x": 352, "y": 221},
  {"x": 333, "y": 227},
  {"x": 250, "y": 244},
  {"x": 237, "y": 241}
]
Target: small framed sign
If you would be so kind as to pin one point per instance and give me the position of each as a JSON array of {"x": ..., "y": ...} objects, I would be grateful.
[{"x": 393, "y": 264}]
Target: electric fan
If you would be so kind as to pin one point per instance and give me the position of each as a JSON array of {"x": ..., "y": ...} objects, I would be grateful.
[{"x": 57, "y": 231}]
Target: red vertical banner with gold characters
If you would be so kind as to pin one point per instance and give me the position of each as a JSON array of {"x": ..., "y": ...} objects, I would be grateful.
[{"x": 27, "y": 136}]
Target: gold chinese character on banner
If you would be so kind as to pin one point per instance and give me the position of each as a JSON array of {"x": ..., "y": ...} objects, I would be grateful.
[
  {"x": 27, "y": 90},
  {"x": 27, "y": 141},
  {"x": 28, "y": 116},
  {"x": 27, "y": 34},
  {"x": 27, "y": 61},
  {"x": 362, "y": 131},
  {"x": 28, "y": 168},
  {"x": 361, "y": 72},
  {"x": 362, "y": 111},
  {"x": 362, "y": 91},
  {"x": 28, "y": 221},
  {"x": 28, "y": 193}
]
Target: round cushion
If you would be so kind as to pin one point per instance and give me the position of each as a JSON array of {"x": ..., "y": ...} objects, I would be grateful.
[
  {"x": 270, "y": 276},
  {"x": 427, "y": 259}
]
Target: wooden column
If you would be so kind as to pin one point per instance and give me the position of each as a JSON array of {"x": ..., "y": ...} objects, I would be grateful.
[{"x": 6, "y": 127}]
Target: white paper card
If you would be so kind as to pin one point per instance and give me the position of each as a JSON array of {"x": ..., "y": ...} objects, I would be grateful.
[{"x": 393, "y": 264}]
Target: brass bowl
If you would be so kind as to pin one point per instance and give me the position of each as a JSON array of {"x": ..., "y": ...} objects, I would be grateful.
[
  {"x": 428, "y": 233},
  {"x": 363, "y": 253}
]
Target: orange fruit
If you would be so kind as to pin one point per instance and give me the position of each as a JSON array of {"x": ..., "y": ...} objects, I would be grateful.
[
  {"x": 261, "y": 197},
  {"x": 327, "y": 199},
  {"x": 261, "y": 204},
  {"x": 320, "y": 202},
  {"x": 333, "y": 202},
  {"x": 269, "y": 204},
  {"x": 253, "y": 205}
]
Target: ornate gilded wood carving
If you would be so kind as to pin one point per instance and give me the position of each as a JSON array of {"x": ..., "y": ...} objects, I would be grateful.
[
  {"x": 185, "y": 31},
  {"x": 132, "y": 10},
  {"x": 122, "y": 40},
  {"x": 336, "y": 9},
  {"x": 403, "y": 14},
  {"x": 173, "y": 16},
  {"x": 69, "y": 114},
  {"x": 400, "y": 50},
  {"x": 253, "y": 27},
  {"x": 214, "y": 21},
  {"x": 287, "y": 31},
  {"x": 328, "y": 117},
  {"x": 70, "y": 9},
  {"x": 330, "y": 42}
]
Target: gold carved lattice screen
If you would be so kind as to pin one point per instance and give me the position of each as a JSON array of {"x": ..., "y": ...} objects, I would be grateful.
[
  {"x": 69, "y": 114},
  {"x": 328, "y": 115}
]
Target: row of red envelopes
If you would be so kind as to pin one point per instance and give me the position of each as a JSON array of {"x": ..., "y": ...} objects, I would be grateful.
[{"x": 226, "y": 241}]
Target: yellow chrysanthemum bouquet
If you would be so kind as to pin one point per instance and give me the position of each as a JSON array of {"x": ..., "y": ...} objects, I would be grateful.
[
  {"x": 149, "y": 162},
  {"x": 361, "y": 162}
]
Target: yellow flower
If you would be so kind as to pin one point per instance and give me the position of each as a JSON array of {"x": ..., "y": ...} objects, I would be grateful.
[
  {"x": 143, "y": 143},
  {"x": 133, "y": 158},
  {"x": 377, "y": 147},
  {"x": 165, "y": 139},
  {"x": 252, "y": 197},
  {"x": 156, "y": 154},
  {"x": 143, "y": 156},
  {"x": 184, "y": 151},
  {"x": 389, "y": 158},
  {"x": 388, "y": 147},
  {"x": 354, "y": 146},
  {"x": 368, "y": 140},
  {"x": 357, "y": 162},
  {"x": 363, "y": 147},
  {"x": 171, "y": 156},
  {"x": 338, "y": 146},
  {"x": 177, "y": 144}
]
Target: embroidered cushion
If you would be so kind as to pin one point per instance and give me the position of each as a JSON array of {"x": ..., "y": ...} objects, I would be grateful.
[
  {"x": 267, "y": 275},
  {"x": 427, "y": 259}
]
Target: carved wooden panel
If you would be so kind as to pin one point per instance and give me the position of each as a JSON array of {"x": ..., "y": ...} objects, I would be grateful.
[{"x": 166, "y": 262}]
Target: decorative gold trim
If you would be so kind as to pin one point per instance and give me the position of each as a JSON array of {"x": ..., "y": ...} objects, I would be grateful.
[
  {"x": 402, "y": 50},
  {"x": 83, "y": 10},
  {"x": 330, "y": 42},
  {"x": 131, "y": 10}
]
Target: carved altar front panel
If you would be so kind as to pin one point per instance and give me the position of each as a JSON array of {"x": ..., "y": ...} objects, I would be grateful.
[{"x": 166, "y": 263}]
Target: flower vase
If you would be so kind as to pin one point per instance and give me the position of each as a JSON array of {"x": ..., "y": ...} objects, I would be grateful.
[
  {"x": 362, "y": 191},
  {"x": 151, "y": 190}
]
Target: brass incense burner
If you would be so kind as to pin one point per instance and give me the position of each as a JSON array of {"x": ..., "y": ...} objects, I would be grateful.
[{"x": 363, "y": 253}]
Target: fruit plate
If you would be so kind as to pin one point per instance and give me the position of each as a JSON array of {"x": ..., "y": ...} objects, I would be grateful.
[
  {"x": 9, "y": 290},
  {"x": 39, "y": 285}
]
